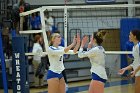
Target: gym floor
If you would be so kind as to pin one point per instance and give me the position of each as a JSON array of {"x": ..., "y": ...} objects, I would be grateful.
[{"x": 116, "y": 85}]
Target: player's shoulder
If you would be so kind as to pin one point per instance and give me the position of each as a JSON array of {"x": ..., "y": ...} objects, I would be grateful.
[
  {"x": 95, "y": 48},
  {"x": 98, "y": 48},
  {"x": 52, "y": 48},
  {"x": 60, "y": 47},
  {"x": 36, "y": 45},
  {"x": 138, "y": 44},
  {"x": 56, "y": 48}
]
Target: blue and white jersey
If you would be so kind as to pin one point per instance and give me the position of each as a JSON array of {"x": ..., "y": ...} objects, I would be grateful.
[
  {"x": 56, "y": 58},
  {"x": 97, "y": 59},
  {"x": 136, "y": 55}
]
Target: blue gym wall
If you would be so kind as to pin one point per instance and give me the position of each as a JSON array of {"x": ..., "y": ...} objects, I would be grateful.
[{"x": 126, "y": 25}]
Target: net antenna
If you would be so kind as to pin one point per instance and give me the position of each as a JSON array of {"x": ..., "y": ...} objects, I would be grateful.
[{"x": 65, "y": 23}]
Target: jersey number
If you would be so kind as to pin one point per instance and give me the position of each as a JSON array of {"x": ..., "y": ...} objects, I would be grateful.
[{"x": 60, "y": 58}]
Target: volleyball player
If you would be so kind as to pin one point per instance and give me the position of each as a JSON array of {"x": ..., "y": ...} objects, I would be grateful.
[
  {"x": 96, "y": 55},
  {"x": 134, "y": 37},
  {"x": 56, "y": 82}
]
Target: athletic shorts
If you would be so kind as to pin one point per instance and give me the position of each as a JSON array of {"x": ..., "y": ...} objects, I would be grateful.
[
  {"x": 96, "y": 77},
  {"x": 52, "y": 74}
]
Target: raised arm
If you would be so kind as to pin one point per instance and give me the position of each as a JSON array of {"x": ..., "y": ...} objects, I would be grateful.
[
  {"x": 77, "y": 43},
  {"x": 71, "y": 45},
  {"x": 90, "y": 43},
  {"x": 82, "y": 54}
]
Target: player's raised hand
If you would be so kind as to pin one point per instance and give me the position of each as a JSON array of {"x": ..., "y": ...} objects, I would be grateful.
[
  {"x": 74, "y": 40},
  {"x": 78, "y": 38},
  {"x": 77, "y": 43},
  {"x": 84, "y": 41},
  {"x": 91, "y": 42}
]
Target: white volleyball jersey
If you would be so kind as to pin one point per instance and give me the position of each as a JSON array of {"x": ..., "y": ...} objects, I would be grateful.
[
  {"x": 97, "y": 59},
  {"x": 136, "y": 55},
  {"x": 56, "y": 58}
]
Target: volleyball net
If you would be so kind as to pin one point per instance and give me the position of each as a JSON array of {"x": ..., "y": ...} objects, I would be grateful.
[{"x": 86, "y": 19}]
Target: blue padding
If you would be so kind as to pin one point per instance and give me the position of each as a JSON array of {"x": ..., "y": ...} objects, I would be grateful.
[
  {"x": 13, "y": 32},
  {"x": 19, "y": 65},
  {"x": 4, "y": 76}
]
